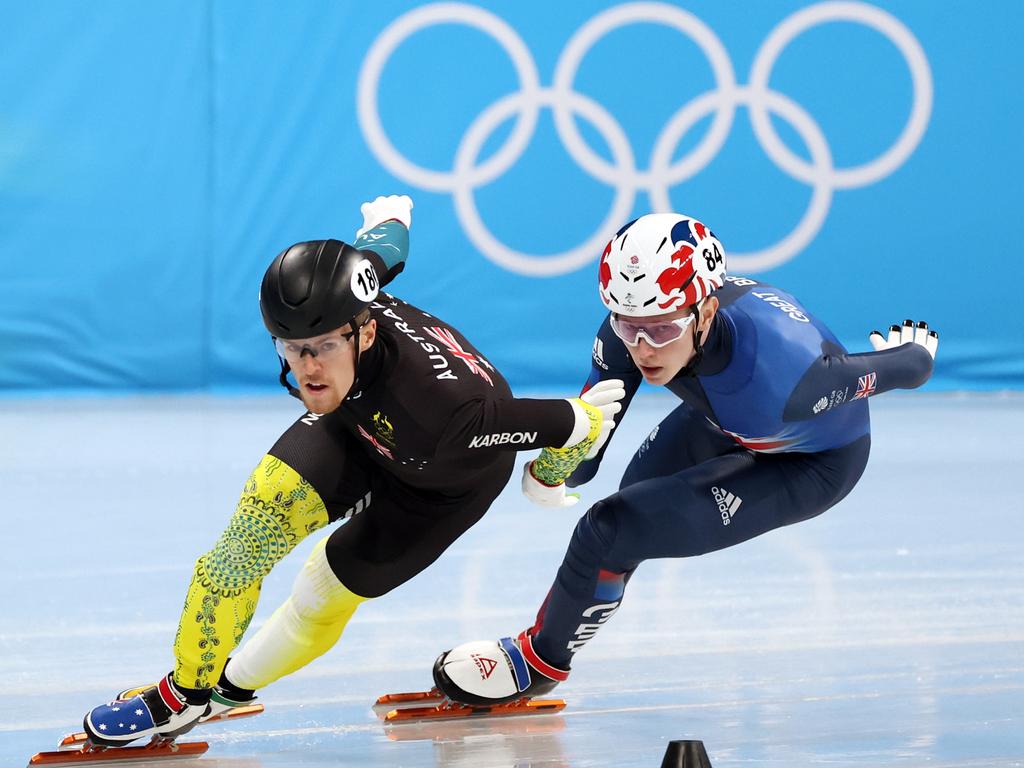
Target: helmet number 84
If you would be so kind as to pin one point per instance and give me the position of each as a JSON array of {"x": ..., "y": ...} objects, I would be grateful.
[{"x": 712, "y": 258}]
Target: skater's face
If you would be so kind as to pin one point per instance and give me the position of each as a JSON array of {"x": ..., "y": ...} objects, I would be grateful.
[
  {"x": 659, "y": 365},
  {"x": 324, "y": 366}
]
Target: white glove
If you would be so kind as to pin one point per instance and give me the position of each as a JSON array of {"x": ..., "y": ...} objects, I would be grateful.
[
  {"x": 398, "y": 207},
  {"x": 606, "y": 397},
  {"x": 546, "y": 495},
  {"x": 908, "y": 333}
]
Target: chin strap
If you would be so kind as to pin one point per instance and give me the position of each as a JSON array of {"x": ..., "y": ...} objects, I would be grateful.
[
  {"x": 352, "y": 391},
  {"x": 283, "y": 378},
  {"x": 690, "y": 369}
]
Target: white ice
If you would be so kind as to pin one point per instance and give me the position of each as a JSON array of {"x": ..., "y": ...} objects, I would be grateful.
[{"x": 887, "y": 632}]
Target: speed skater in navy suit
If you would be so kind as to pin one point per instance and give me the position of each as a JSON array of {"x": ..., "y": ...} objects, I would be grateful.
[{"x": 772, "y": 429}]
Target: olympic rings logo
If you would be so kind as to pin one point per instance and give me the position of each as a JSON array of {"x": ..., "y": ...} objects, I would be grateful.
[{"x": 622, "y": 173}]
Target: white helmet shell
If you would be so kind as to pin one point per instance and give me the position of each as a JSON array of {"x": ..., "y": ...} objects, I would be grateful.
[{"x": 659, "y": 263}]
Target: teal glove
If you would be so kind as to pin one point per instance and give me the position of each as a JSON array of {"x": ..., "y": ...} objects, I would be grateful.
[{"x": 385, "y": 231}]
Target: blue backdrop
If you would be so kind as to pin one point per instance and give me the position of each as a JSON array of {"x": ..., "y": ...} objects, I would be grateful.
[{"x": 155, "y": 156}]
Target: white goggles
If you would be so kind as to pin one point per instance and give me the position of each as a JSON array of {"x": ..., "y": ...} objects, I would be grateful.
[{"x": 657, "y": 334}]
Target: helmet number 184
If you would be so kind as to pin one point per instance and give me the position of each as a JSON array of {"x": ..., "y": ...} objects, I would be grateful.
[{"x": 364, "y": 281}]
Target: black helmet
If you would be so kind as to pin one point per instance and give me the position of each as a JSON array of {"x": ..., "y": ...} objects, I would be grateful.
[{"x": 314, "y": 287}]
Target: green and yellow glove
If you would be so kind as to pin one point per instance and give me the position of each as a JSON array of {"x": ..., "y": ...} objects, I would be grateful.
[{"x": 544, "y": 477}]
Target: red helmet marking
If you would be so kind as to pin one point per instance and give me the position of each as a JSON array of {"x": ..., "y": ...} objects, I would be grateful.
[
  {"x": 676, "y": 302},
  {"x": 683, "y": 254},
  {"x": 700, "y": 229},
  {"x": 605, "y": 272},
  {"x": 673, "y": 279}
]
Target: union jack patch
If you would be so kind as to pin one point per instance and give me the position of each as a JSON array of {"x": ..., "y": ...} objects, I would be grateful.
[
  {"x": 865, "y": 386},
  {"x": 475, "y": 364},
  {"x": 382, "y": 449}
]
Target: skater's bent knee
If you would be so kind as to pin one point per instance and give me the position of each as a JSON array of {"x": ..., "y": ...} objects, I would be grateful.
[
  {"x": 317, "y": 594},
  {"x": 596, "y": 530},
  {"x": 276, "y": 511}
]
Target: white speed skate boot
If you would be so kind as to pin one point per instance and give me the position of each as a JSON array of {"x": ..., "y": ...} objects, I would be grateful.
[{"x": 495, "y": 672}]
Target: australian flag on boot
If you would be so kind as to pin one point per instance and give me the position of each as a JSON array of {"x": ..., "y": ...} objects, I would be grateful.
[{"x": 157, "y": 710}]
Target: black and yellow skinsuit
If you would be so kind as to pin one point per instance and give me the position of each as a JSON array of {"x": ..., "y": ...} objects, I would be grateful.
[{"x": 413, "y": 458}]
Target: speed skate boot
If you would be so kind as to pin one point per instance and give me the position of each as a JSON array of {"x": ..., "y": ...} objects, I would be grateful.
[
  {"x": 226, "y": 697},
  {"x": 159, "y": 710},
  {"x": 495, "y": 672}
]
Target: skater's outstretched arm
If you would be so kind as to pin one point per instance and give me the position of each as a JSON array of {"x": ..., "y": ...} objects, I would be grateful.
[{"x": 904, "y": 360}]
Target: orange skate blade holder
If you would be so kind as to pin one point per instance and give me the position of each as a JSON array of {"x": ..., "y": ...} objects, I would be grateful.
[
  {"x": 453, "y": 711},
  {"x": 408, "y": 698},
  {"x": 74, "y": 740},
  {"x": 92, "y": 755},
  {"x": 236, "y": 712}
]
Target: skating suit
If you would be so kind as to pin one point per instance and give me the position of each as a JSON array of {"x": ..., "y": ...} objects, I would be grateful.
[
  {"x": 772, "y": 430},
  {"x": 412, "y": 458}
]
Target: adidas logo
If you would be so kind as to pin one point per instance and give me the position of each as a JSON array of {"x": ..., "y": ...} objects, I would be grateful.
[
  {"x": 599, "y": 354},
  {"x": 485, "y": 665},
  {"x": 727, "y": 503}
]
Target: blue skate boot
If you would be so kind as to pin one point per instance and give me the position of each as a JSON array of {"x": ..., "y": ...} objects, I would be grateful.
[
  {"x": 226, "y": 698},
  {"x": 159, "y": 710}
]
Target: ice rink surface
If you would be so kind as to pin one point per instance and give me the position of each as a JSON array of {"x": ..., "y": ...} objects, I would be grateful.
[{"x": 887, "y": 632}]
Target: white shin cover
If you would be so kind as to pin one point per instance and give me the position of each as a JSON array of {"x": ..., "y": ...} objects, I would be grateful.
[{"x": 307, "y": 625}]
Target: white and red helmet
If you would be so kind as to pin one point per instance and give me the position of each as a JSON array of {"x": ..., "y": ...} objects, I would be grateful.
[{"x": 659, "y": 263}]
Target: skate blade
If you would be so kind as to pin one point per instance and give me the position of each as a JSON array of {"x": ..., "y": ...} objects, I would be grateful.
[
  {"x": 91, "y": 755},
  {"x": 453, "y": 711},
  {"x": 75, "y": 740}
]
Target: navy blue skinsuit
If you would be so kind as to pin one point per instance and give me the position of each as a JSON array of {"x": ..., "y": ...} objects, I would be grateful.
[{"x": 772, "y": 430}]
